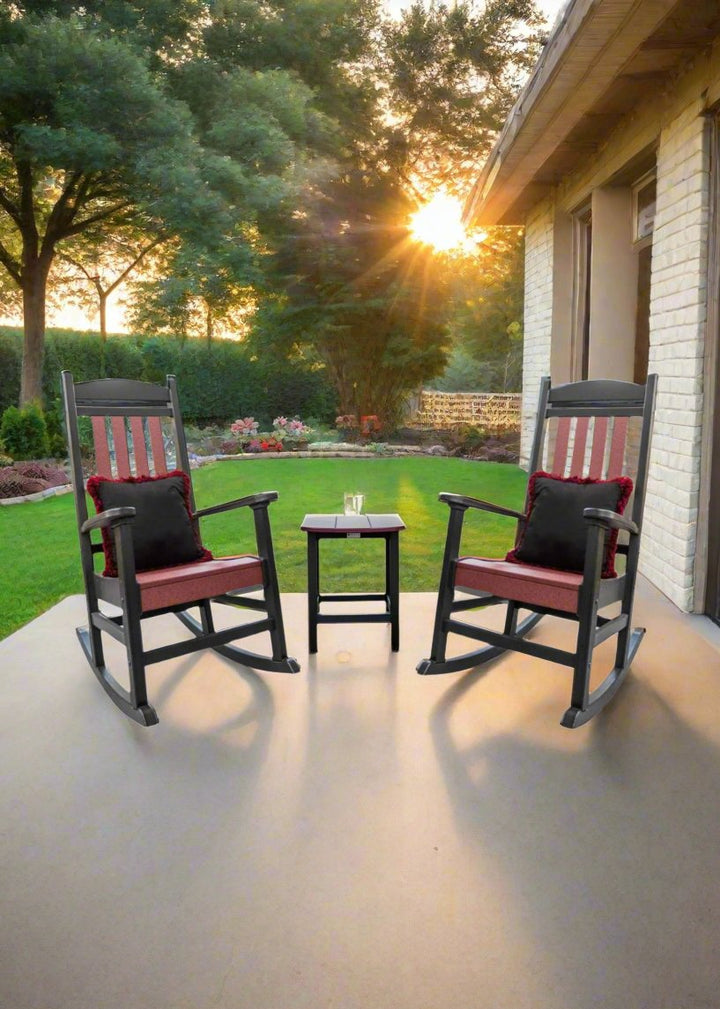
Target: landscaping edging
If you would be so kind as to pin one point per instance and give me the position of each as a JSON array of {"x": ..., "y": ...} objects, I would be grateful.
[
  {"x": 39, "y": 495},
  {"x": 391, "y": 450},
  {"x": 203, "y": 460}
]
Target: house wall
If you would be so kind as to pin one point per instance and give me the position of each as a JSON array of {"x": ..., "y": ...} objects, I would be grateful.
[
  {"x": 538, "y": 317},
  {"x": 673, "y": 126},
  {"x": 677, "y": 348}
]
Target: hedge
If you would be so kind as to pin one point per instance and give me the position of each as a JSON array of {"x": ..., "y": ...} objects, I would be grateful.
[{"x": 217, "y": 382}]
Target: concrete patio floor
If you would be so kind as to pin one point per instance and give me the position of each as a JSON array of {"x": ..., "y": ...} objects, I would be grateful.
[{"x": 356, "y": 836}]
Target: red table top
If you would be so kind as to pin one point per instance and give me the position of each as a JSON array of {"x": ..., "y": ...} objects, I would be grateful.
[{"x": 341, "y": 525}]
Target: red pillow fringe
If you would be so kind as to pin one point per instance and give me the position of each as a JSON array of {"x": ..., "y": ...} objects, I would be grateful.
[
  {"x": 93, "y": 489},
  {"x": 626, "y": 485}
]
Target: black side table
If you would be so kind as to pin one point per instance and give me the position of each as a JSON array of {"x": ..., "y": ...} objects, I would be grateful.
[{"x": 385, "y": 527}]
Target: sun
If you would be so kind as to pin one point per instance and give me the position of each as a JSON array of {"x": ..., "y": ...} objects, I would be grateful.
[{"x": 439, "y": 223}]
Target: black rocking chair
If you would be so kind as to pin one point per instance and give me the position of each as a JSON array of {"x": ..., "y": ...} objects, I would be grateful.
[
  {"x": 155, "y": 561},
  {"x": 588, "y": 426}
]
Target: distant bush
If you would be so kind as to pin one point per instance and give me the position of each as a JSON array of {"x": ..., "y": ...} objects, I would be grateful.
[{"x": 24, "y": 432}]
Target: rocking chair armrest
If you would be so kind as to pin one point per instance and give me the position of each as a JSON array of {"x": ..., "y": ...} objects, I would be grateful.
[
  {"x": 611, "y": 520},
  {"x": 461, "y": 501},
  {"x": 111, "y": 517},
  {"x": 261, "y": 500}
]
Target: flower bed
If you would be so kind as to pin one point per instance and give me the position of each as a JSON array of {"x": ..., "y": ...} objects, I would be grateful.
[{"x": 287, "y": 435}]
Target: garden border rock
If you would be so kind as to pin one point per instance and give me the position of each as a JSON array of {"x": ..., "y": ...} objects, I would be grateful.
[
  {"x": 38, "y": 495},
  {"x": 339, "y": 453}
]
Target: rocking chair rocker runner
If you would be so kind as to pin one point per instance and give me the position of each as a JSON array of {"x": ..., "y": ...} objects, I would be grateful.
[
  {"x": 535, "y": 576},
  {"x": 155, "y": 561}
]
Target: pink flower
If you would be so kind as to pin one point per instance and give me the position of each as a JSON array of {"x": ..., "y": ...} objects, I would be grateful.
[{"x": 247, "y": 426}]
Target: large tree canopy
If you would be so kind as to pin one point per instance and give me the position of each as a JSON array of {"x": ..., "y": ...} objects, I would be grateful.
[
  {"x": 355, "y": 290},
  {"x": 352, "y": 285},
  {"x": 98, "y": 131},
  {"x": 451, "y": 72},
  {"x": 269, "y": 152}
]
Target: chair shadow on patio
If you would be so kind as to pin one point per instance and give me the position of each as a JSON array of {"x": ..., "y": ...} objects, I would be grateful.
[{"x": 604, "y": 849}]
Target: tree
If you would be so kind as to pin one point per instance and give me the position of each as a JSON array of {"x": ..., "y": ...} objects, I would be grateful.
[
  {"x": 372, "y": 304},
  {"x": 85, "y": 134},
  {"x": 357, "y": 292},
  {"x": 261, "y": 161},
  {"x": 196, "y": 293},
  {"x": 451, "y": 72},
  {"x": 95, "y": 269},
  {"x": 486, "y": 313},
  {"x": 272, "y": 144},
  {"x": 97, "y": 133}
]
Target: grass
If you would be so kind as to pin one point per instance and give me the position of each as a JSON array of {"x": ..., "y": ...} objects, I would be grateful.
[{"x": 39, "y": 560}]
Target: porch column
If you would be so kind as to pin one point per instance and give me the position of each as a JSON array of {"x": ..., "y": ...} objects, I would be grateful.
[{"x": 613, "y": 286}]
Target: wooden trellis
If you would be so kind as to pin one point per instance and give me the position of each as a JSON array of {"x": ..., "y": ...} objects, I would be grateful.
[{"x": 494, "y": 412}]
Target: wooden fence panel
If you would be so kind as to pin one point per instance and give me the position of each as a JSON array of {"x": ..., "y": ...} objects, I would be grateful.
[{"x": 495, "y": 412}]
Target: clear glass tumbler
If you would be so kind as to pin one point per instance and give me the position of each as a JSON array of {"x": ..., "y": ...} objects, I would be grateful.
[{"x": 353, "y": 503}]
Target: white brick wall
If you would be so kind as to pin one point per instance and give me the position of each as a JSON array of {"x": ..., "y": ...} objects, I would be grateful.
[
  {"x": 677, "y": 333},
  {"x": 538, "y": 315},
  {"x": 677, "y": 337}
]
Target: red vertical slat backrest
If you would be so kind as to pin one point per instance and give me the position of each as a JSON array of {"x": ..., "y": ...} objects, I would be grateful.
[
  {"x": 617, "y": 447},
  {"x": 597, "y": 455},
  {"x": 122, "y": 457},
  {"x": 157, "y": 445},
  {"x": 102, "y": 449},
  {"x": 561, "y": 446},
  {"x": 142, "y": 466},
  {"x": 578, "y": 456}
]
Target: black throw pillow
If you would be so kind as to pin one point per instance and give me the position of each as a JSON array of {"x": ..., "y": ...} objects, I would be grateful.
[
  {"x": 162, "y": 531},
  {"x": 555, "y": 532}
]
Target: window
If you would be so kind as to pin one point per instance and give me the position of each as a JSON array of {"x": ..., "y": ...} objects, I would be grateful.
[{"x": 644, "y": 200}]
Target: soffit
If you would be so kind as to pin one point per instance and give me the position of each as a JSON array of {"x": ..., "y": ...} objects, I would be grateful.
[{"x": 603, "y": 59}]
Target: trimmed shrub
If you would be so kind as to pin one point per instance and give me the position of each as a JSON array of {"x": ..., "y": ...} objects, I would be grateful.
[
  {"x": 56, "y": 431},
  {"x": 24, "y": 432},
  {"x": 217, "y": 381}
]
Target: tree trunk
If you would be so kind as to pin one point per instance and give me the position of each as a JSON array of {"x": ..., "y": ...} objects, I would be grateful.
[
  {"x": 34, "y": 286},
  {"x": 102, "y": 301},
  {"x": 209, "y": 325}
]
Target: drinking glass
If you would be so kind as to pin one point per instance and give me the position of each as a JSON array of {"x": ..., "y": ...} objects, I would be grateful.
[{"x": 353, "y": 503}]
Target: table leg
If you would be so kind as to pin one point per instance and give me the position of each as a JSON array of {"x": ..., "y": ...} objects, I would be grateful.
[
  {"x": 313, "y": 564},
  {"x": 392, "y": 586}
]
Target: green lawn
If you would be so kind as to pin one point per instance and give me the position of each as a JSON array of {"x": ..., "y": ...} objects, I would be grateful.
[{"x": 39, "y": 560}]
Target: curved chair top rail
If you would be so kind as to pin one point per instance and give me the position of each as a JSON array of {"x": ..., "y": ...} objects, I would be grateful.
[
  {"x": 599, "y": 397},
  {"x": 120, "y": 396}
]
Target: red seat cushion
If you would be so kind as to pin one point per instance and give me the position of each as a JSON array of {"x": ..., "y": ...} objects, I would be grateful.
[
  {"x": 523, "y": 583},
  {"x": 186, "y": 583}
]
